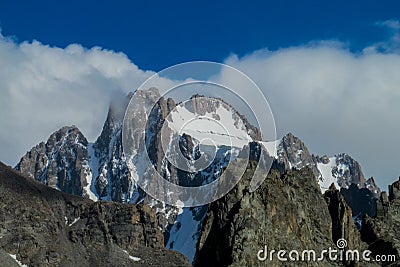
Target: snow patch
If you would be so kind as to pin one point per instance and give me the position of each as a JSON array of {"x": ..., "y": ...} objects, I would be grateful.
[
  {"x": 93, "y": 164},
  {"x": 132, "y": 257},
  {"x": 19, "y": 263},
  {"x": 327, "y": 177},
  {"x": 76, "y": 219},
  {"x": 223, "y": 130},
  {"x": 184, "y": 234}
]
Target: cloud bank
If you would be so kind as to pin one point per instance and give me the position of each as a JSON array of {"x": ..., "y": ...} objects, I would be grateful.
[
  {"x": 43, "y": 88},
  {"x": 334, "y": 99}
]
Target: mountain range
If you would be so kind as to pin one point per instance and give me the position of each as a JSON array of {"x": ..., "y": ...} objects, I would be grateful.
[{"x": 321, "y": 199}]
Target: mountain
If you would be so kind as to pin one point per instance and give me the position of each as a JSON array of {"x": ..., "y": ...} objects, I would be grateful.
[
  {"x": 341, "y": 170},
  {"x": 101, "y": 171},
  {"x": 61, "y": 162},
  {"x": 287, "y": 212},
  {"x": 41, "y": 226}
]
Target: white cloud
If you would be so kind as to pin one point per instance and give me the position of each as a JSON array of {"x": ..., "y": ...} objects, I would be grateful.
[
  {"x": 43, "y": 88},
  {"x": 336, "y": 101},
  {"x": 392, "y": 44}
]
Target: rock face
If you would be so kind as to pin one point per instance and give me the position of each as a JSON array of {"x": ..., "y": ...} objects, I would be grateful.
[
  {"x": 285, "y": 212},
  {"x": 394, "y": 190},
  {"x": 45, "y": 227},
  {"x": 350, "y": 173},
  {"x": 61, "y": 162},
  {"x": 342, "y": 220},
  {"x": 362, "y": 201},
  {"x": 294, "y": 154},
  {"x": 383, "y": 232}
]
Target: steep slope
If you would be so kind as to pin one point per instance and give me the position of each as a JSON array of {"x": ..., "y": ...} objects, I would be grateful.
[
  {"x": 61, "y": 162},
  {"x": 382, "y": 233},
  {"x": 361, "y": 200},
  {"x": 44, "y": 227},
  {"x": 285, "y": 212}
]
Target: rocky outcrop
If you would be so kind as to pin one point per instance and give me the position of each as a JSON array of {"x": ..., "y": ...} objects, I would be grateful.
[
  {"x": 361, "y": 200},
  {"x": 382, "y": 233},
  {"x": 61, "y": 162},
  {"x": 293, "y": 153},
  {"x": 373, "y": 187},
  {"x": 394, "y": 190},
  {"x": 45, "y": 227},
  {"x": 342, "y": 220},
  {"x": 109, "y": 172},
  {"x": 285, "y": 212},
  {"x": 348, "y": 171}
]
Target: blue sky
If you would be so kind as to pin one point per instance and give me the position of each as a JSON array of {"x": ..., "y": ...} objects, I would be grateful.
[
  {"x": 157, "y": 34},
  {"x": 329, "y": 69}
]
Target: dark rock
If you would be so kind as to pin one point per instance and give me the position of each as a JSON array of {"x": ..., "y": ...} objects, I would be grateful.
[
  {"x": 285, "y": 212},
  {"x": 45, "y": 227},
  {"x": 61, "y": 162},
  {"x": 294, "y": 154},
  {"x": 394, "y": 190},
  {"x": 342, "y": 220},
  {"x": 383, "y": 232},
  {"x": 362, "y": 201}
]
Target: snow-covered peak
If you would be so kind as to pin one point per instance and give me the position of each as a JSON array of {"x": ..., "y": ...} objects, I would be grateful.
[
  {"x": 217, "y": 122},
  {"x": 341, "y": 170}
]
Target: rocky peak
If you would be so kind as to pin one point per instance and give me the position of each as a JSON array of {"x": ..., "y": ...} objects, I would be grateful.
[
  {"x": 382, "y": 232},
  {"x": 293, "y": 153},
  {"x": 241, "y": 223},
  {"x": 394, "y": 190},
  {"x": 343, "y": 171},
  {"x": 61, "y": 162},
  {"x": 343, "y": 226},
  {"x": 372, "y": 186},
  {"x": 200, "y": 105},
  {"x": 348, "y": 171},
  {"x": 189, "y": 147}
]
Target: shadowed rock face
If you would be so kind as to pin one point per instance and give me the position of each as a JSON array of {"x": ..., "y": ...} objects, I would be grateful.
[
  {"x": 286, "y": 212},
  {"x": 45, "y": 227},
  {"x": 382, "y": 233},
  {"x": 361, "y": 200},
  {"x": 342, "y": 221}
]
